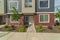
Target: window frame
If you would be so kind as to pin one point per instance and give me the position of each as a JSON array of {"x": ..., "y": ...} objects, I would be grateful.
[
  {"x": 44, "y": 7},
  {"x": 13, "y": 1},
  {"x": 44, "y": 21},
  {"x": 28, "y": 5},
  {"x": 1, "y": 3}
]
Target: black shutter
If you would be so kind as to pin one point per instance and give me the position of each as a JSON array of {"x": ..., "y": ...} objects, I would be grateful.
[{"x": 5, "y": 6}]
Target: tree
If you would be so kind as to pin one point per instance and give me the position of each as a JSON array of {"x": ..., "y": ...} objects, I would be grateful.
[
  {"x": 58, "y": 14},
  {"x": 15, "y": 15}
]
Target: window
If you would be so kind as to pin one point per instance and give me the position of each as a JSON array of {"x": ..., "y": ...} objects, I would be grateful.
[
  {"x": 12, "y": 20},
  {"x": 28, "y": 3},
  {"x": 13, "y": 4},
  {"x": 0, "y": 3},
  {"x": 44, "y": 3},
  {"x": 44, "y": 18}
]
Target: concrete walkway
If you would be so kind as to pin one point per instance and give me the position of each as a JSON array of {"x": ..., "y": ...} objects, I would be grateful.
[
  {"x": 31, "y": 28},
  {"x": 2, "y": 26},
  {"x": 31, "y": 36}
]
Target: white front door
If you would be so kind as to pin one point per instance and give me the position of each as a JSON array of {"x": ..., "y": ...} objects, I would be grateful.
[{"x": 31, "y": 20}]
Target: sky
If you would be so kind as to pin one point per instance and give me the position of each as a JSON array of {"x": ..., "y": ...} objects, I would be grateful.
[{"x": 57, "y": 4}]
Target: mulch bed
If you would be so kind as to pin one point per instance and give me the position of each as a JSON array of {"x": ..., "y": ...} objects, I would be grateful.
[
  {"x": 16, "y": 29},
  {"x": 46, "y": 30},
  {"x": 54, "y": 30},
  {"x": 4, "y": 30}
]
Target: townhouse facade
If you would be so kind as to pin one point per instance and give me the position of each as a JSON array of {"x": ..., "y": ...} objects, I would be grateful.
[
  {"x": 2, "y": 14},
  {"x": 33, "y": 12}
]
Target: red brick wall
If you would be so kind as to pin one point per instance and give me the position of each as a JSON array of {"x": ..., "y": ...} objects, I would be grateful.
[
  {"x": 15, "y": 24},
  {"x": 36, "y": 19}
]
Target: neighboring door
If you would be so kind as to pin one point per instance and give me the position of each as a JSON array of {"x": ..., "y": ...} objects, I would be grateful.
[
  {"x": 1, "y": 19},
  {"x": 31, "y": 20},
  {"x": 26, "y": 20}
]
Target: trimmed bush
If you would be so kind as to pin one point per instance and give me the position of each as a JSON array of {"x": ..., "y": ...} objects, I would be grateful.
[
  {"x": 58, "y": 27},
  {"x": 6, "y": 26},
  {"x": 22, "y": 28},
  {"x": 9, "y": 29},
  {"x": 40, "y": 28}
]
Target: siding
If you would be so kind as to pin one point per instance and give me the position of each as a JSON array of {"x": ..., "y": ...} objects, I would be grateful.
[
  {"x": 28, "y": 10},
  {"x": 2, "y": 7},
  {"x": 51, "y": 9}
]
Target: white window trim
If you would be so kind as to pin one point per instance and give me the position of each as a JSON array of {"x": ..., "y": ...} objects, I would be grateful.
[
  {"x": 13, "y": 21},
  {"x": 44, "y": 21},
  {"x": 12, "y": 13},
  {"x": 1, "y": 2},
  {"x": 44, "y": 7},
  {"x": 12, "y": 1}
]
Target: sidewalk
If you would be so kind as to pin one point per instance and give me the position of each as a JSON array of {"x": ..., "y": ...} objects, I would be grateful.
[
  {"x": 3, "y": 33},
  {"x": 31, "y": 28},
  {"x": 31, "y": 36},
  {"x": 6, "y": 37}
]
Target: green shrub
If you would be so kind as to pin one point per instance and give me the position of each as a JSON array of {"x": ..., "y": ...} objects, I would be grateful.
[
  {"x": 22, "y": 29},
  {"x": 6, "y": 26},
  {"x": 58, "y": 27},
  {"x": 40, "y": 28},
  {"x": 0, "y": 29},
  {"x": 9, "y": 29}
]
